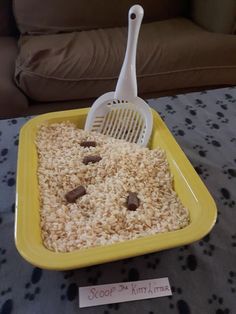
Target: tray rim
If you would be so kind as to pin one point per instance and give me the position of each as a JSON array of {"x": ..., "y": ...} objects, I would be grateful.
[{"x": 47, "y": 259}]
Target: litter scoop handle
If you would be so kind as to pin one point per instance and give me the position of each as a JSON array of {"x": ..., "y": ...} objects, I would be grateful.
[{"x": 126, "y": 88}]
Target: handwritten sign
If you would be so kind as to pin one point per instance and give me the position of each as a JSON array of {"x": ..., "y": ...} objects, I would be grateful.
[{"x": 123, "y": 292}]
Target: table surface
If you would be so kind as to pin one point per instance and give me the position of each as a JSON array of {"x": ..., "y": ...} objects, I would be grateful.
[{"x": 202, "y": 275}]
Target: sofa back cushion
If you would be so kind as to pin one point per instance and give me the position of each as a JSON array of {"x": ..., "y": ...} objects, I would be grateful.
[
  {"x": 172, "y": 54},
  {"x": 215, "y": 15},
  {"x": 57, "y": 16},
  {"x": 7, "y": 22}
]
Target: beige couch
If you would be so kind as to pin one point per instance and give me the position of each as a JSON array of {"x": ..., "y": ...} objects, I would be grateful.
[{"x": 69, "y": 53}]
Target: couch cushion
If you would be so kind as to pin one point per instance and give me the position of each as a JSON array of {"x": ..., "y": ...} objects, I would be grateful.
[
  {"x": 54, "y": 16},
  {"x": 215, "y": 15},
  {"x": 12, "y": 100},
  {"x": 172, "y": 54}
]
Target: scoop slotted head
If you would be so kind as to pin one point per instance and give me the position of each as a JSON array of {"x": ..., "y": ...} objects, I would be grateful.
[{"x": 122, "y": 114}]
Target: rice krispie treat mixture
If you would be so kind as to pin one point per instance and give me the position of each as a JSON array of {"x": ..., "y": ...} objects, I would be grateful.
[{"x": 96, "y": 190}]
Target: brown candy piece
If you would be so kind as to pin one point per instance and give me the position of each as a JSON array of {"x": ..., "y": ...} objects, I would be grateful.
[
  {"x": 72, "y": 196},
  {"x": 132, "y": 201},
  {"x": 92, "y": 159},
  {"x": 88, "y": 144}
]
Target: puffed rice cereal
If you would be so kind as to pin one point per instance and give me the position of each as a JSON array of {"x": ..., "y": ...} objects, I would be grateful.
[{"x": 100, "y": 215}]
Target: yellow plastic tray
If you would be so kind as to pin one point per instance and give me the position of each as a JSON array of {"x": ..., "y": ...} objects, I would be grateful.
[{"x": 187, "y": 183}]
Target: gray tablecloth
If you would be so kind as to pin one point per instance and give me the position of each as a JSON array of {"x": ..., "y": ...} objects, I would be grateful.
[{"x": 202, "y": 275}]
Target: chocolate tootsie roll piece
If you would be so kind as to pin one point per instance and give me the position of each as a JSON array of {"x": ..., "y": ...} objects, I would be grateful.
[
  {"x": 88, "y": 144},
  {"x": 132, "y": 201},
  {"x": 93, "y": 159},
  {"x": 73, "y": 195}
]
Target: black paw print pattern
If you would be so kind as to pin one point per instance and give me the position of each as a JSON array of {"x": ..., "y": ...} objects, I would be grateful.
[
  {"x": 12, "y": 122},
  {"x": 13, "y": 207},
  {"x": 162, "y": 117},
  {"x": 232, "y": 281},
  {"x": 224, "y": 107},
  {"x": 230, "y": 98},
  {"x": 114, "y": 306},
  {"x": 93, "y": 280},
  {"x": 3, "y": 155},
  {"x": 181, "y": 305},
  {"x": 6, "y": 305},
  {"x": 188, "y": 261},
  {"x": 189, "y": 124},
  {"x": 222, "y": 104},
  {"x": 221, "y": 117},
  {"x": 32, "y": 288},
  {"x": 69, "y": 291},
  {"x": 210, "y": 139},
  {"x": 5, "y": 292},
  {"x": 152, "y": 260},
  {"x": 202, "y": 171},
  {"x": 169, "y": 109},
  {"x": 132, "y": 275},
  {"x": 201, "y": 150},
  {"x": 191, "y": 110},
  {"x": 233, "y": 237},
  {"x": 16, "y": 139},
  {"x": 208, "y": 248},
  {"x": 9, "y": 178},
  {"x": 230, "y": 172},
  {"x": 147, "y": 256},
  {"x": 212, "y": 125},
  {"x": 226, "y": 198},
  {"x": 177, "y": 131},
  {"x": 68, "y": 274},
  {"x": 199, "y": 103},
  {"x": 153, "y": 264},
  {"x": 218, "y": 304},
  {"x": 218, "y": 216},
  {"x": 3, "y": 260}
]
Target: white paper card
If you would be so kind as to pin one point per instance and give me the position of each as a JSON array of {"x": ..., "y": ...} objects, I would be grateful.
[{"x": 124, "y": 291}]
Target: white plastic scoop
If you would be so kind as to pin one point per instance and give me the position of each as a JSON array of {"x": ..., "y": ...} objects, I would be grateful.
[{"x": 122, "y": 114}]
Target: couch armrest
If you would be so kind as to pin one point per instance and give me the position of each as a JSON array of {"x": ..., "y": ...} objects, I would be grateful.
[
  {"x": 215, "y": 15},
  {"x": 12, "y": 101},
  {"x": 7, "y": 22}
]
